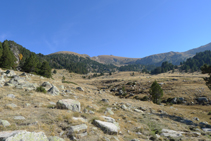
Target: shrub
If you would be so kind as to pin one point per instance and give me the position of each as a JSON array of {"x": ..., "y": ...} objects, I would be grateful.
[
  {"x": 54, "y": 71},
  {"x": 145, "y": 98},
  {"x": 41, "y": 89},
  {"x": 209, "y": 113}
]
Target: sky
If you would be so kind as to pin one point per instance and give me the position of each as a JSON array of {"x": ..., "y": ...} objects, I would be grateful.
[{"x": 128, "y": 28}]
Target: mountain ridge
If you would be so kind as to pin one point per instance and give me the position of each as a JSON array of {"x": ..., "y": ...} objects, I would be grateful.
[{"x": 155, "y": 59}]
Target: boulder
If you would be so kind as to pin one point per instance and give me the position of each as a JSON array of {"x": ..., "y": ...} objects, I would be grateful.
[
  {"x": 5, "y": 123},
  {"x": 174, "y": 100},
  {"x": 202, "y": 100},
  {"x": 55, "y": 138},
  {"x": 2, "y": 80},
  {"x": 139, "y": 111},
  {"x": 12, "y": 105},
  {"x": 80, "y": 88},
  {"x": 206, "y": 129},
  {"x": 69, "y": 104},
  {"x": 53, "y": 91},
  {"x": 121, "y": 92},
  {"x": 46, "y": 84},
  {"x": 21, "y": 135},
  {"x": 109, "y": 110},
  {"x": 171, "y": 133},
  {"x": 23, "y": 74},
  {"x": 76, "y": 132},
  {"x": 16, "y": 80},
  {"x": 10, "y": 73},
  {"x": 11, "y": 96},
  {"x": 107, "y": 127},
  {"x": 109, "y": 119},
  {"x": 124, "y": 107},
  {"x": 105, "y": 100}
]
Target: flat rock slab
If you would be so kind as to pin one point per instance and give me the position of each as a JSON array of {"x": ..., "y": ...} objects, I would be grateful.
[
  {"x": 70, "y": 104},
  {"x": 206, "y": 129},
  {"x": 78, "y": 131},
  {"x": 171, "y": 133},
  {"x": 107, "y": 127},
  {"x": 11, "y": 95},
  {"x": 21, "y": 135},
  {"x": 55, "y": 138},
  {"x": 19, "y": 118}
]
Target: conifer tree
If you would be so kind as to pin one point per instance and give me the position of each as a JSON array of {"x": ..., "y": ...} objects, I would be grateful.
[
  {"x": 207, "y": 69},
  {"x": 156, "y": 92},
  {"x": 1, "y": 49},
  {"x": 45, "y": 70},
  {"x": 30, "y": 64},
  {"x": 7, "y": 59}
]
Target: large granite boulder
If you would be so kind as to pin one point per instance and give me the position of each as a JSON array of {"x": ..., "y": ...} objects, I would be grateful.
[
  {"x": 22, "y": 135},
  {"x": 53, "y": 91},
  {"x": 69, "y": 104},
  {"x": 15, "y": 80},
  {"x": 77, "y": 132},
  {"x": 10, "y": 73}
]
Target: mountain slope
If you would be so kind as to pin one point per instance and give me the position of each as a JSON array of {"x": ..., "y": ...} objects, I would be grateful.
[
  {"x": 156, "y": 59},
  {"x": 110, "y": 59}
]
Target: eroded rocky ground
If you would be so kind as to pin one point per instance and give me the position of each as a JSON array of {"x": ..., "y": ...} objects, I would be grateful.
[{"x": 96, "y": 110}]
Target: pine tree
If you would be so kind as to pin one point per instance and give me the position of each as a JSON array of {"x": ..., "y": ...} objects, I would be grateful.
[
  {"x": 30, "y": 64},
  {"x": 45, "y": 70},
  {"x": 207, "y": 69},
  {"x": 156, "y": 92},
  {"x": 1, "y": 49},
  {"x": 7, "y": 59}
]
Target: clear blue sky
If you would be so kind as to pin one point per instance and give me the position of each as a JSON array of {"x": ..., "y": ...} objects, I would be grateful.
[{"x": 129, "y": 28}]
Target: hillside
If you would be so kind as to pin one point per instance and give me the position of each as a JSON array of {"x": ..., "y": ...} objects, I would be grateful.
[
  {"x": 94, "y": 109},
  {"x": 174, "y": 57},
  {"x": 71, "y": 53},
  {"x": 110, "y": 59}
]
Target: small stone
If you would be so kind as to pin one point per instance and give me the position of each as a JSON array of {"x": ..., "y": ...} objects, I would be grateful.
[
  {"x": 19, "y": 118},
  {"x": 11, "y": 96}
]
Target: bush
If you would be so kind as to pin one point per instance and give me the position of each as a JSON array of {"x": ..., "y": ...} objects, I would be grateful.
[
  {"x": 41, "y": 89},
  {"x": 209, "y": 113},
  {"x": 145, "y": 98}
]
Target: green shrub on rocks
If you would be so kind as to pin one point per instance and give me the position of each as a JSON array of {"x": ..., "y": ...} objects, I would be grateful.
[{"x": 41, "y": 89}]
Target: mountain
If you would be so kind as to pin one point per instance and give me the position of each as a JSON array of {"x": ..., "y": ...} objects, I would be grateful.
[
  {"x": 82, "y": 63},
  {"x": 173, "y": 57}
]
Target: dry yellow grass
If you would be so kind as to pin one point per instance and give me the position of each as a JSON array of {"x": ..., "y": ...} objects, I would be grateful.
[{"x": 40, "y": 117}]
